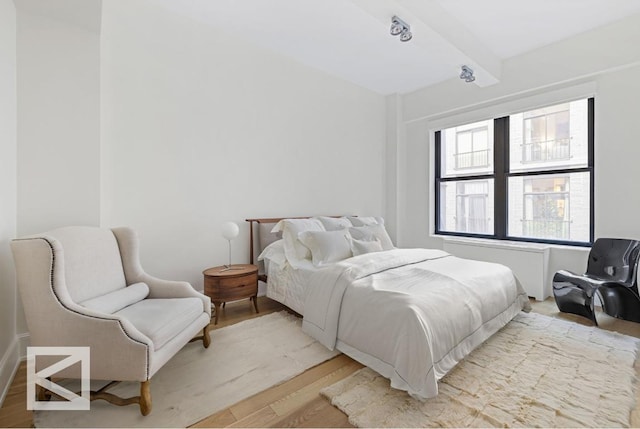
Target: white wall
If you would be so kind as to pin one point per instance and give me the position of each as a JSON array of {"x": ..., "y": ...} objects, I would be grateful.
[
  {"x": 58, "y": 124},
  {"x": 9, "y": 353},
  {"x": 603, "y": 62},
  {"x": 58, "y": 129},
  {"x": 199, "y": 127}
]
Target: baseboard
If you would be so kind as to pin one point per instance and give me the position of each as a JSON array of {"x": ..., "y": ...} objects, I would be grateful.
[
  {"x": 8, "y": 367},
  {"x": 23, "y": 343}
]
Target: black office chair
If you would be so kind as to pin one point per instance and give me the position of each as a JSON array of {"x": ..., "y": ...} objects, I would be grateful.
[{"x": 611, "y": 274}]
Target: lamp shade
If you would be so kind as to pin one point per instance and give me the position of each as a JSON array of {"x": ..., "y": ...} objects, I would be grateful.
[{"x": 230, "y": 230}]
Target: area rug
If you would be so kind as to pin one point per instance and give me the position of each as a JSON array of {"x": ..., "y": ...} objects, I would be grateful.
[
  {"x": 243, "y": 359},
  {"x": 536, "y": 372}
]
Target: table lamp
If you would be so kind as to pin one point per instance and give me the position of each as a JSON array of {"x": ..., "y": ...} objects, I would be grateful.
[{"x": 230, "y": 231}]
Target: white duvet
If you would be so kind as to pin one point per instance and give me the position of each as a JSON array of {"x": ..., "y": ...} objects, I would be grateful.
[{"x": 410, "y": 314}]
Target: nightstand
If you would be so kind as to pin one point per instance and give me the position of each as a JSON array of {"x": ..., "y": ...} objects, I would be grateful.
[{"x": 223, "y": 285}]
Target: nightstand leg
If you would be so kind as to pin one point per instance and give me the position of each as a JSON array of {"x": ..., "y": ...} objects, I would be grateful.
[
  {"x": 217, "y": 310},
  {"x": 255, "y": 303}
]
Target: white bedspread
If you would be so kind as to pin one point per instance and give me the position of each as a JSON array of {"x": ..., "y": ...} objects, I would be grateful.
[{"x": 410, "y": 314}]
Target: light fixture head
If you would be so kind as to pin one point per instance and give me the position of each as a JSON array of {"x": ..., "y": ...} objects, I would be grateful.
[
  {"x": 396, "y": 28},
  {"x": 406, "y": 35},
  {"x": 401, "y": 28},
  {"x": 467, "y": 74},
  {"x": 230, "y": 230}
]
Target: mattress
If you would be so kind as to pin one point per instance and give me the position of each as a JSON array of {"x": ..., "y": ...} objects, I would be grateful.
[{"x": 287, "y": 285}]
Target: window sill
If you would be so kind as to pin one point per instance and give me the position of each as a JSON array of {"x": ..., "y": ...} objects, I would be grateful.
[{"x": 505, "y": 244}]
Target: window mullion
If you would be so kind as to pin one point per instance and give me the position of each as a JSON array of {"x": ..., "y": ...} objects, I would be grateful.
[
  {"x": 500, "y": 163},
  {"x": 590, "y": 162},
  {"x": 438, "y": 174}
]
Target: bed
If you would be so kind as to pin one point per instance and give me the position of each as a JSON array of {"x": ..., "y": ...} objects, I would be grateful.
[{"x": 409, "y": 314}]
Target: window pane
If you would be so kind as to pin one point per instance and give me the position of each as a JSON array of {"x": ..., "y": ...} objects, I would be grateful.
[
  {"x": 467, "y": 149},
  {"x": 467, "y": 206},
  {"x": 553, "y": 207},
  {"x": 552, "y": 137}
]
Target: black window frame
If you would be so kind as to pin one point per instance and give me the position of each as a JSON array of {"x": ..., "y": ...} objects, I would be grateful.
[{"x": 501, "y": 175}]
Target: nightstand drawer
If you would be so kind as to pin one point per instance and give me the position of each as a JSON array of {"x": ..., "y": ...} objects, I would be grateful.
[{"x": 229, "y": 289}]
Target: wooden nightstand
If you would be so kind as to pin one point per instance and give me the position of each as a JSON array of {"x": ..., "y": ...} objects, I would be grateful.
[{"x": 230, "y": 285}]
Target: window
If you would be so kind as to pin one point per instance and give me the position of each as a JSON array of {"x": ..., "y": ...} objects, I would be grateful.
[
  {"x": 527, "y": 176},
  {"x": 546, "y": 136},
  {"x": 471, "y": 206},
  {"x": 546, "y": 208},
  {"x": 472, "y": 148}
]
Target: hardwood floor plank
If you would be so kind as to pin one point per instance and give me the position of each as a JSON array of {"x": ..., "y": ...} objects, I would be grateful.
[
  {"x": 262, "y": 399},
  {"x": 16, "y": 416},
  {"x": 14, "y": 411},
  {"x": 221, "y": 419},
  {"x": 311, "y": 391},
  {"x": 260, "y": 419},
  {"x": 316, "y": 413}
]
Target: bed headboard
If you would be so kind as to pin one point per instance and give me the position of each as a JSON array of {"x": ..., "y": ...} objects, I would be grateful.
[{"x": 261, "y": 236}]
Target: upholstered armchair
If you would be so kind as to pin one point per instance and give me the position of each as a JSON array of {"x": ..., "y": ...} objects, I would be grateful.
[{"x": 84, "y": 286}]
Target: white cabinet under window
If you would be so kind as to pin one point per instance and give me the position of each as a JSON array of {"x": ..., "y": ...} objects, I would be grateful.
[{"x": 528, "y": 261}]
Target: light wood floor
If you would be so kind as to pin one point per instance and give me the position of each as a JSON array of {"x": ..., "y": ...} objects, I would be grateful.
[{"x": 297, "y": 402}]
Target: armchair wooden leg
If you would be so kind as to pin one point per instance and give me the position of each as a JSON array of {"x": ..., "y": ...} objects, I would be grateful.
[
  {"x": 206, "y": 338},
  {"x": 145, "y": 397},
  {"x": 42, "y": 394},
  {"x": 144, "y": 400}
]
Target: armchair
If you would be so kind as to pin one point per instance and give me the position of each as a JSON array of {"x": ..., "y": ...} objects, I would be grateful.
[
  {"x": 611, "y": 275},
  {"x": 84, "y": 286}
]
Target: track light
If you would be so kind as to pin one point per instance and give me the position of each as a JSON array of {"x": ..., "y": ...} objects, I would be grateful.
[
  {"x": 467, "y": 74},
  {"x": 399, "y": 27}
]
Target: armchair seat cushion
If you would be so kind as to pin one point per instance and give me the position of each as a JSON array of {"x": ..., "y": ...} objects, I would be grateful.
[{"x": 162, "y": 319}]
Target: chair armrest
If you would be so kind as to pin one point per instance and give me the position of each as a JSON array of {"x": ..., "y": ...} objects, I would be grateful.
[{"x": 129, "y": 251}]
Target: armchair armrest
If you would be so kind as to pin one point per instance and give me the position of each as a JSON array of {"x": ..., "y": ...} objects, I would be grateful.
[{"x": 158, "y": 288}]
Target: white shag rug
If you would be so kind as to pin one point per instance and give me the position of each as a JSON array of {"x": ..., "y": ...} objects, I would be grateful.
[
  {"x": 243, "y": 359},
  {"x": 536, "y": 372}
]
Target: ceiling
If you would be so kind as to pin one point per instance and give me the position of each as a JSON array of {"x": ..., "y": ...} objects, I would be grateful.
[{"x": 350, "y": 38}]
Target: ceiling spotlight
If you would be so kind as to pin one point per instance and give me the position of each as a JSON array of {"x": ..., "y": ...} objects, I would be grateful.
[
  {"x": 406, "y": 35},
  {"x": 399, "y": 27},
  {"x": 467, "y": 74},
  {"x": 396, "y": 28}
]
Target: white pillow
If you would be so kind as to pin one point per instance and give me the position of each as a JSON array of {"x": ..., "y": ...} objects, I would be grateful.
[
  {"x": 360, "y": 247},
  {"x": 294, "y": 250},
  {"x": 370, "y": 233},
  {"x": 327, "y": 246},
  {"x": 365, "y": 220},
  {"x": 118, "y": 299},
  {"x": 274, "y": 253},
  {"x": 334, "y": 223}
]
